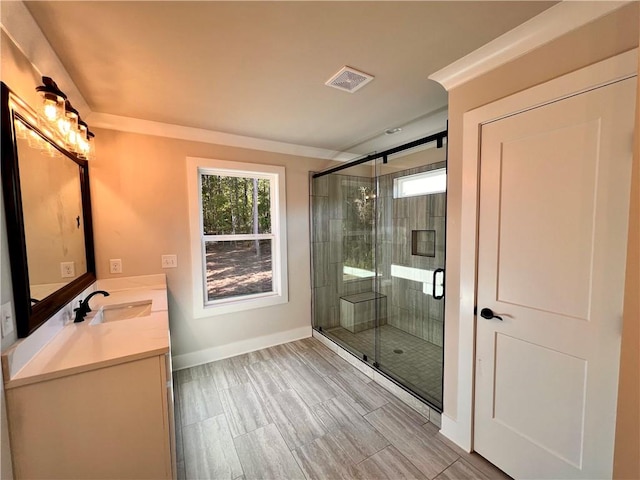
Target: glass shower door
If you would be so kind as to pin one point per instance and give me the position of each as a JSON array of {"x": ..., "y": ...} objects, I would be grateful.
[
  {"x": 378, "y": 237},
  {"x": 343, "y": 236},
  {"x": 410, "y": 271}
]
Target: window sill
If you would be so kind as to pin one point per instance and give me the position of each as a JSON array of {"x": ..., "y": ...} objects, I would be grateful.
[{"x": 240, "y": 305}]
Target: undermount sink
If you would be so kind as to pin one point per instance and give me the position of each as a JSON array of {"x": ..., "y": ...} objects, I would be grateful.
[{"x": 122, "y": 311}]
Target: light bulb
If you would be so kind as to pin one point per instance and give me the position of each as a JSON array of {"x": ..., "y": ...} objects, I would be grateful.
[
  {"x": 63, "y": 126},
  {"x": 53, "y": 100},
  {"x": 50, "y": 110},
  {"x": 82, "y": 144},
  {"x": 71, "y": 127}
]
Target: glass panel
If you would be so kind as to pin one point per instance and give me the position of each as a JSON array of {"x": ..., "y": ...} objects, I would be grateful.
[
  {"x": 375, "y": 258},
  {"x": 235, "y": 205},
  {"x": 357, "y": 225},
  {"x": 53, "y": 216},
  {"x": 343, "y": 211},
  {"x": 410, "y": 248},
  {"x": 238, "y": 268}
]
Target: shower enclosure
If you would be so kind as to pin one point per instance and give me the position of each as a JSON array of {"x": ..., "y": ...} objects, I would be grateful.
[{"x": 378, "y": 259}]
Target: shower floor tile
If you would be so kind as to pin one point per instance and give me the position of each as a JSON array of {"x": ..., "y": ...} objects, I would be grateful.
[{"x": 411, "y": 360}]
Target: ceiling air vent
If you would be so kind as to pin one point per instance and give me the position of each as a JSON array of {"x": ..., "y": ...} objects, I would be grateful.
[{"x": 349, "y": 80}]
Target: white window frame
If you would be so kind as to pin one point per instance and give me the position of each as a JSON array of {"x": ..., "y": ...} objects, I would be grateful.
[
  {"x": 202, "y": 306},
  {"x": 398, "y": 191}
]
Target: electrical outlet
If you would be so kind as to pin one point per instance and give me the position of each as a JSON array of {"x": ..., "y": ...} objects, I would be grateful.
[
  {"x": 169, "y": 261},
  {"x": 7, "y": 319},
  {"x": 115, "y": 265},
  {"x": 67, "y": 269}
]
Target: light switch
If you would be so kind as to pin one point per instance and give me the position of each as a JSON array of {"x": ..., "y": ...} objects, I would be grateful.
[{"x": 7, "y": 319}]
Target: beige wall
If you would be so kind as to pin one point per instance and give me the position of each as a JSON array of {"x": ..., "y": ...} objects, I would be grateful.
[
  {"x": 140, "y": 212},
  {"x": 626, "y": 462},
  {"x": 18, "y": 74},
  {"x": 139, "y": 203},
  {"x": 612, "y": 34}
]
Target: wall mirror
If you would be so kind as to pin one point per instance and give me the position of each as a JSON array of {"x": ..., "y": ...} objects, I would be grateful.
[{"x": 48, "y": 213}]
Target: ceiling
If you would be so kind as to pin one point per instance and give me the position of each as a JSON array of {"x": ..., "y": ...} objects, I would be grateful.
[{"x": 258, "y": 69}]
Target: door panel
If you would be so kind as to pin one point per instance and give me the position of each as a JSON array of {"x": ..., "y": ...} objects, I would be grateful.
[
  {"x": 559, "y": 164},
  {"x": 522, "y": 367},
  {"x": 554, "y": 199}
]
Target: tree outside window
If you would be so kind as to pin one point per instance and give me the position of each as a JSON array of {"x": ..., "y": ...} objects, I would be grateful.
[{"x": 237, "y": 234}]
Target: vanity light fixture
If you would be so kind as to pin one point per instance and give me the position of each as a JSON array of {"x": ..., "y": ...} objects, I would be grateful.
[
  {"x": 83, "y": 139},
  {"x": 82, "y": 142},
  {"x": 58, "y": 115},
  {"x": 69, "y": 126},
  {"x": 53, "y": 100}
]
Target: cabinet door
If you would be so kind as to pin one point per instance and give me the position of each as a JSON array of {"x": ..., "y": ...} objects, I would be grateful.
[{"x": 106, "y": 423}]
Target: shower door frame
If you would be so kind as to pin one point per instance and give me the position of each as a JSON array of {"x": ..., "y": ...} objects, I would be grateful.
[{"x": 438, "y": 138}]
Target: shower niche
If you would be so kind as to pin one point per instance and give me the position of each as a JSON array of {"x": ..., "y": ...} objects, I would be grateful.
[{"x": 378, "y": 259}]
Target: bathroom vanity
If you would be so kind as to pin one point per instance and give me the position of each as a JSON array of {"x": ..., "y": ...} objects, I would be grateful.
[
  {"x": 84, "y": 400},
  {"x": 97, "y": 400}
]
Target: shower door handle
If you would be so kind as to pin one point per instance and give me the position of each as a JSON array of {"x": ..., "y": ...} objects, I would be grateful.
[{"x": 435, "y": 284}]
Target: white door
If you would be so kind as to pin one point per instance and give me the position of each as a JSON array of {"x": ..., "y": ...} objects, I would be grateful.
[{"x": 554, "y": 203}]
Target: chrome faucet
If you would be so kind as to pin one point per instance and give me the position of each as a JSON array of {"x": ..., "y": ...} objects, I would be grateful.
[{"x": 84, "y": 308}]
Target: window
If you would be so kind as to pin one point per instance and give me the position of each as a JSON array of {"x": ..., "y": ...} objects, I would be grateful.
[
  {"x": 425, "y": 183},
  {"x": 238, "y": 235}
]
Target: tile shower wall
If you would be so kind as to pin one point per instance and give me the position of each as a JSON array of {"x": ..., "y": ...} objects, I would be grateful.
[
  {"x": 409, "y": 308},
  {"x": 329, "y": 211}
]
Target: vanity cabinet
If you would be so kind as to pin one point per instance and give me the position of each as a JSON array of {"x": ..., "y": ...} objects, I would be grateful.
[{"x": 110, "y": 422}]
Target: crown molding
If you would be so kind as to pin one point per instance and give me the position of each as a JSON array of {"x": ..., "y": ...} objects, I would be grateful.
[
  {"x": 147, "y": 127},
  {"x": 554, "y": 22}
]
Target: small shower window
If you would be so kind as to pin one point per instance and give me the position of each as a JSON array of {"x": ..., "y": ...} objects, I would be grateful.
[{"x": 425, "y": 183}]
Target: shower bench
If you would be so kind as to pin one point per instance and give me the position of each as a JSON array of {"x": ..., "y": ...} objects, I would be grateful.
[{"x": 358, "y": 311}]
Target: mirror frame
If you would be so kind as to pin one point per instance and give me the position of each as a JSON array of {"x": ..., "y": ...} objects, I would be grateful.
[{"x": 30, "y": 316}]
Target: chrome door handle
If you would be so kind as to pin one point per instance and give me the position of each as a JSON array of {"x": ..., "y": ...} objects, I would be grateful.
[{"x": 488, "y": 314}]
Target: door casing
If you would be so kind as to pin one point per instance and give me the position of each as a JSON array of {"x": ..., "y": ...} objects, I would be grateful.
[{"x": 460, "y": 428}]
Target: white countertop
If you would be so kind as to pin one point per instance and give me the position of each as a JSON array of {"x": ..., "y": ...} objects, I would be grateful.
[{"x": 81, "y": 347}]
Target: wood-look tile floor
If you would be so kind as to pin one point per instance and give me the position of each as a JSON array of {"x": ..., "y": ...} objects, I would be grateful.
[{"x": 298, "y": 411}]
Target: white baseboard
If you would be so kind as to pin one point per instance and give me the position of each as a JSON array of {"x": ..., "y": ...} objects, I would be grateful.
[
  {"x": 456, "y": 432},
  {"x": 212, "y": 354}
]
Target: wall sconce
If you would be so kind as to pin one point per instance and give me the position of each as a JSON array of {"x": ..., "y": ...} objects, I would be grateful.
[{"x": 56, "y": 114}]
